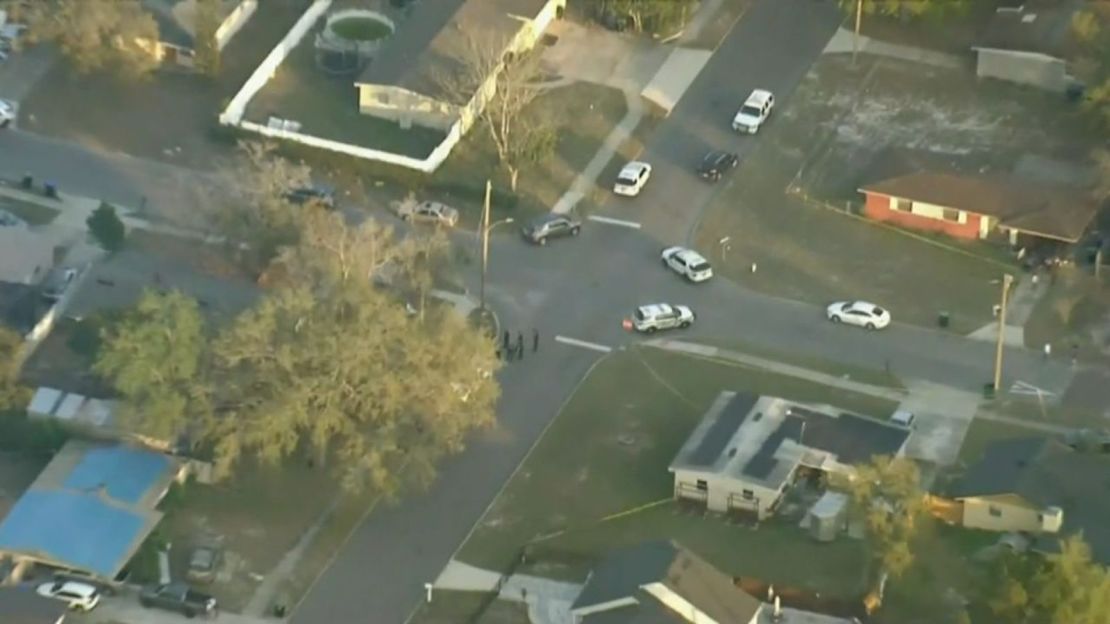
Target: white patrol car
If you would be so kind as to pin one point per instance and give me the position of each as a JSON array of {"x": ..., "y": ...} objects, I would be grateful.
[
  {"x": 632, "y": 178},
  {"x": 687, "y": 263},
  {"x": 756, "y": 109},
  {"x": 651, "y": 318}
]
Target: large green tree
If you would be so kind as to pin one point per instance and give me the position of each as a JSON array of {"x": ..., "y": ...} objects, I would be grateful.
[
  {"x": 905, "y": 9},
  {"x": 332, "y": 365},
  {"x": 97, "y": 35},
  {"x": 154, "y": 356},
  {"x": 1090, "y": 60},
  {"x": 1063, "y": 588},
  {"x": 657, "y": 17},
  {"x": 887, "y": 497},
  {"x": 206, "y": 21}
]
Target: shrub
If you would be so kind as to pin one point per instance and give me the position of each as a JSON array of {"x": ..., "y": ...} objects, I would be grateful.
[{"x": 107, "y": 228}]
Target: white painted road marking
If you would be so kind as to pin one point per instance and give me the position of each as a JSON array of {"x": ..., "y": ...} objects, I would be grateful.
[
  {"x": 574, "y": 342},
  {"x": 612, "y": 221},
  {"x": 1021, "y": 387}
]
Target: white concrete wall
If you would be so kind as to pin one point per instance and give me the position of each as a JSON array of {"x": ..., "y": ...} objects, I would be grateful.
[
  {"x": 1031, "y": 68},
  {"x": 235, "y": 21}
]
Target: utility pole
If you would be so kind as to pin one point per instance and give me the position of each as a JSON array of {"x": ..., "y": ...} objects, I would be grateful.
[
  {"x": 855, "y": 39},
  {"x": 1006, "y": 279},
  {"x": 485, "y": 248}
]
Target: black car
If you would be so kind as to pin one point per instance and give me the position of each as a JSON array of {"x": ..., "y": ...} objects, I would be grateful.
[
  {"x": 322, "y": 195},
  {"x": 180, "y": 598},
  {"x": 714, "y": 165},
  {"x": 550, "y": 226}
]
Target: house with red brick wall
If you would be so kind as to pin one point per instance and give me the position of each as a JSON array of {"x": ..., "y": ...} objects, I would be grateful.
[{"x": 973, "y": 206}]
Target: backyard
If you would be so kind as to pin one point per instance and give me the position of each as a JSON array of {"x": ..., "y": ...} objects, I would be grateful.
[
  {"x": 598, "y": 478},
  {"x": 809, "y": 244}
]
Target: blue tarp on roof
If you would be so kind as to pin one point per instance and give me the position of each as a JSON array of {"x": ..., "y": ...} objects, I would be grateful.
[
  {"x": 76, "y": 529},
  {"x": 125, "y": 473}
]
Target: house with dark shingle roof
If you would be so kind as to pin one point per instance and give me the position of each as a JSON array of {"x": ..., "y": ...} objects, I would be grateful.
[
  {"x": 971, "y": 206},
  {"x": 176, "y": 20},
  {"x": 748, "y": 450},
  {"x": 1039, "y": 486},
  {"x": 89, "y": 509},
  {"x": 661, "y": 583},
  {"x": 403, "y": 81}
]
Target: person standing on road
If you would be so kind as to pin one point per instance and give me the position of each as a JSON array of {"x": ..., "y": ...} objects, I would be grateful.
[
  {"x": 505, "y": 343},
  {"x": 535, "y": 340},
  {"x": 1047, "y": 350},
  {"x": 520, "y": 346}
]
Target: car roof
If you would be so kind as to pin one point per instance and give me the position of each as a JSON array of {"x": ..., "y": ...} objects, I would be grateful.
[
  {"x": 634, "y": 168},
  {"x": 691, "y": 256},
  {"x": 74, "y": 587},
  {"x": 717, "y": 156},
  {"x": 758, "y": 97},
  {"x": 654, "y": 309}
]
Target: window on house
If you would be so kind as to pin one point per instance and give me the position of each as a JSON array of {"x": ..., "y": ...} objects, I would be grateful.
[
  {"x": 902, "y": 205},
  {"x": 747, "y": 494},
  {"x": 951, "y": 214},
  {"x": 995, "y": 512},
  {"x": 702, "y": 485}
]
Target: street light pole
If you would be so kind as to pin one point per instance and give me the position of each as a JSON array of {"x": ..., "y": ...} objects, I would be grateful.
[
  {"x": 487, "y": 227},
  {"x": 1006, "y": 279},
  {"x": 855, "y": 39}
]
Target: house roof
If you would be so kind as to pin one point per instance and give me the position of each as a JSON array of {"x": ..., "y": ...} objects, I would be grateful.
[
  {"x": 25, "y": 257},
  {"x": 431, "y": 38},
  {"x": 90, "y": 508},
  {"x": 21, "y": 306},
  {"x": 763, "y": 439},
  {"x": 21, "y": 605},
  {"x": 1047, "y": 473},
  {"x": 1038, "y": 27},
  {"x": 627, "y": 572},
  {"x": 1056, "y": 212},
  {"x": 175, "y": 19}
]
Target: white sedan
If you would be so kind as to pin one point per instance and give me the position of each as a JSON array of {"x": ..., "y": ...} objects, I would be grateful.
[
  {"x": 79, "y": 596},
  {"x": 7, "y": 113},
  {"x": 859, "y": 313},
  {"x": 632, "y": 178},
  {"x": 687, "y": 263}
]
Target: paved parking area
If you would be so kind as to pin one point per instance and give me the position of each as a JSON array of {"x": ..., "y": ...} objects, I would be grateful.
[{"x": 22, "y": 71}]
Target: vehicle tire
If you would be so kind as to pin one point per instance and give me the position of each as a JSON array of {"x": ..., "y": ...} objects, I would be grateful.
[
  {"x": 684, "y": 325},
  {"x": 650, "y": 330},
  {"x": 541, "y": 242},
  {"x": 574, "y": 231},
  {"x": 870, "y": 326},
  {"x": 834, "y": 318}
]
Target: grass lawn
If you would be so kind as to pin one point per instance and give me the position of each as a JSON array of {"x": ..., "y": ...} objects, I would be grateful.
[
  {"x": 327, "y": 107},
  {"x": 453, "y": 607},
  {"x": 607, "y": 452},
  {"x": 824, "y": 141},
  {"x": 1072, "y": 312},
  {"x": 954, "y": 32},
  {"x": 33, "y": 213},
  {"x": 259, "y": 515},
  {"x": 874, "y": 377}
]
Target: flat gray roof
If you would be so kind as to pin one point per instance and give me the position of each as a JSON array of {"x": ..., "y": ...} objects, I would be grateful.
[
  {"x": 762, "y": 439},
  {"x": 431, "y": 38}
]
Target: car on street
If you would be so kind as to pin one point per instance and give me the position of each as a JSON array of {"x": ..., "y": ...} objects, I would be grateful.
[
  {"x": 687, "y": 263},
  {"x": 632, "y": 178},
  {"x": 903, "y": 418},
  {"x": 322, "y": 195},
  {"x": 858, "y": 313},
  {"x": 651, "y": 318},
  {"x": 756, "y": 109},
  {"x": 178, "y": 597},
  {"x": 7, "y": 113},
  {"x": 57, "y": 283},
  {"x": 716, "y": 163},
  {"x": 204, "y": 563},
  {"x": 79, "y": 596},
  {"x": 550, "y": 225},
  {"x": 428, "y": 212}
]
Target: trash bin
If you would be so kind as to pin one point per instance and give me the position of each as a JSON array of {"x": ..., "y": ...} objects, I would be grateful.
[
  {"x": 988, "y": 390},
  {"x": 1074, "y": 92},
  {"x": 27, "y": 182},
  {"x": 50, "y": 190},
  {"x": 942, "y": 319}
]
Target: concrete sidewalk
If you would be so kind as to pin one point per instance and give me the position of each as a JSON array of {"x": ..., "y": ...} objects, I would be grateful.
[
  {"x": 1022, "y": 301},
  {"x": 843, "y": 42}
]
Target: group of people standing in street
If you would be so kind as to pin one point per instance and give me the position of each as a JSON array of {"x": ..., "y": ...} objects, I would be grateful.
[{"x": 511, "y": 350}]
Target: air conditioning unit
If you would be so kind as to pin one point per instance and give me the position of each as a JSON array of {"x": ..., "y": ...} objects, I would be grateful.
[{"x": 1052, "y": 518}]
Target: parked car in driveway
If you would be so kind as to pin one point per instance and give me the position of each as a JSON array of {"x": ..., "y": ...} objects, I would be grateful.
[
  {"x": 79, "y": 596},
  {"x": 858, "y": 313},
  {"x": 322, "y": 195},
  {"x": 716, "y": 163},
  {"x": 755, "y": 110},
  {"x": 204, "y": 563},
  {"x": 632, "y": 178},
  {"x": 551, "y": 225},
  {"x": 180, "y": 598},
  {"x": 651, "y": 318},
  {"x": 7, "y": 113},
  {"x": 428, "y": 212},
  {"x": 687, "y": 263}
]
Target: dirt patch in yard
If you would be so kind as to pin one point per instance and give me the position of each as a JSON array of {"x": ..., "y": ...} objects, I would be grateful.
[
  {"x": 167, "y": 117},
  {"x": 810, "y": 244}
]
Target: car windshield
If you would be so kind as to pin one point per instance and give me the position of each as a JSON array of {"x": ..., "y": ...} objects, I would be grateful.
[
  {"x": 877, "y": 311},
  {"x": 699, "y": 267},
  {"x": 639, "y": 315},
  {"x": 749, "y": 111},
  {"x": 626, "y": 180}
]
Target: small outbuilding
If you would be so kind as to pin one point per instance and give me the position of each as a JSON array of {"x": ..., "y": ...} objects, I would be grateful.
[{"x": 1024, "y": 42}]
